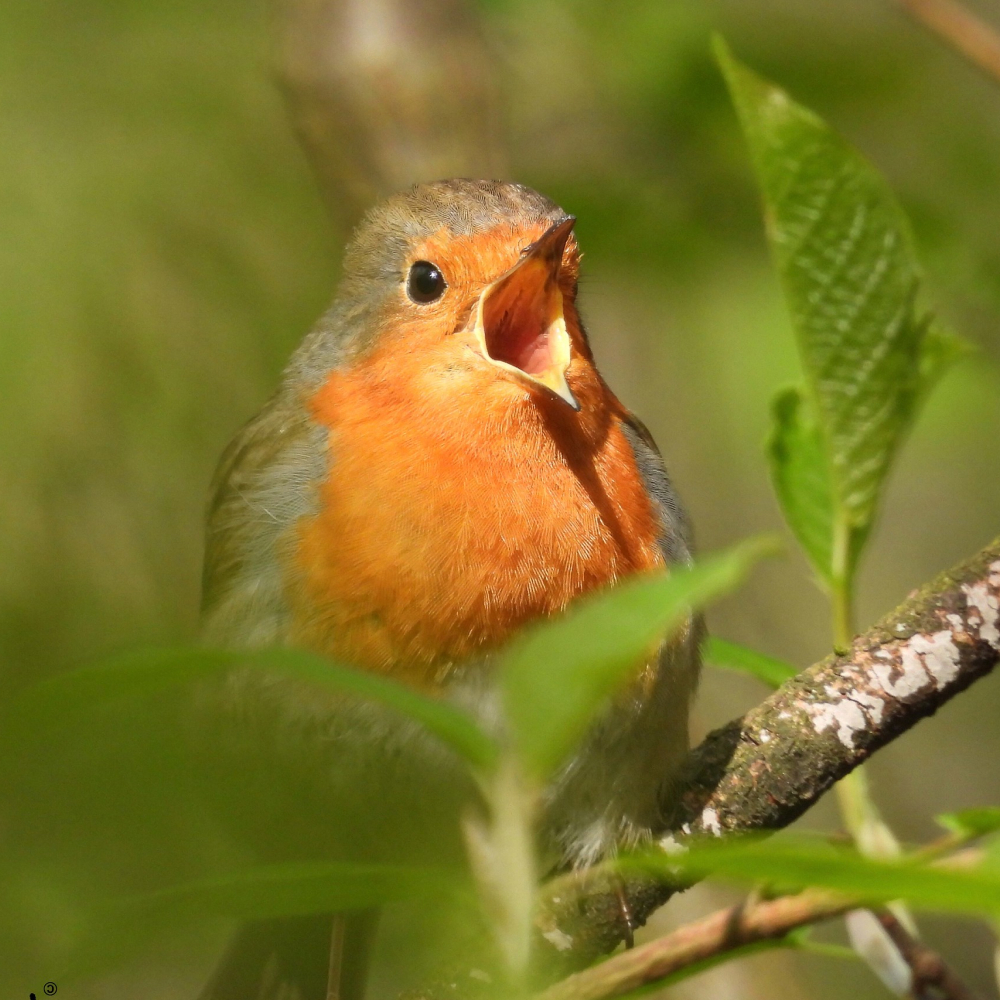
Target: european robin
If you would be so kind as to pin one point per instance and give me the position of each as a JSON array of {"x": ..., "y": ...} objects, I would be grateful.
[{"x": 442, "y": 465}]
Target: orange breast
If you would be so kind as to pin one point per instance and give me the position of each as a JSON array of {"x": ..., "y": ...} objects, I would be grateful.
[{"x": 460, "y": 506}]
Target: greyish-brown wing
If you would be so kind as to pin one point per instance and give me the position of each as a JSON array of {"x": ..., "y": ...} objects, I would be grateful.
[
  {"x": 266, "y": 480},
  {"x": 675, "y": 536}
]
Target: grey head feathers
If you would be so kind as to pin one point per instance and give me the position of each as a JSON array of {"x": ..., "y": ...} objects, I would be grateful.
[{"x": 380, "y": 252}]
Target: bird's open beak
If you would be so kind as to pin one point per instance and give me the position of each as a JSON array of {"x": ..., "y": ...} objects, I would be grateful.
[{"x": 519, "y": 319}]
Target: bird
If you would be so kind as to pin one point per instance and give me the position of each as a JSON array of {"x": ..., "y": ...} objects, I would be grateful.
[{"x": 441, "y": 466}]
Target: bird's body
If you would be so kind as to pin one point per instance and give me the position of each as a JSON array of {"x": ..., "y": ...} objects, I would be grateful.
[{"x": 442, "y": 465}]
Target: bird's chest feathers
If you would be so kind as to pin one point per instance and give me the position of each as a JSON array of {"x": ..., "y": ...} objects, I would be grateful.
[{"x": 451, "y": 518}]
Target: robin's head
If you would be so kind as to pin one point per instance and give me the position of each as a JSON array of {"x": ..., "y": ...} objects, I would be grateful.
[{"x": 463, "y": 276}]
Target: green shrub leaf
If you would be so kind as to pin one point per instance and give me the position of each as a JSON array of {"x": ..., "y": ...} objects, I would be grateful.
[
  {"x": 148, "y": 672},
  {"x": 789, "y": 863},
  {"x": 845, "y": 258},
  {"x": 940, "y": 349},
  {"x": 801, "y": 476},
  {"x": 732, "y": 656},
  {"x": 112, "y": 932},
  {"x": 560, "y": 673},
  {"x": 970, "y": 823},
  {"x": 284, "y": 890}
]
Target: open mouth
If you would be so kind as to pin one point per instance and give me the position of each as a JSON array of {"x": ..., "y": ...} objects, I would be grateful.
[{"x": 519, "y": 321}]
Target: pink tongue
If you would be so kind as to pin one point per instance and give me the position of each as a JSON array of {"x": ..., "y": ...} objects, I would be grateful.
[
  {"x": 530, "y": 353},
  {"x": 516, "y": 335}
]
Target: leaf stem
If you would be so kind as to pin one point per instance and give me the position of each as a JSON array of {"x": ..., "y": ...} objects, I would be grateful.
[
  {"x": 842, "y": 586},
  {"x": 843, "y": 617},
  {"x": 855, "y": 803},
  {"x": 860, "y": 814},
  {"x": 823, "y": 948}
]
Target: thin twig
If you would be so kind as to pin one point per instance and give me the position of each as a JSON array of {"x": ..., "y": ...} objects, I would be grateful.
[
  {"x": 754, "y": 921},
  {"x": 725, "y": 931},
  {"x": 932, "y": 977},
  {"x": 972, "y": 37}
]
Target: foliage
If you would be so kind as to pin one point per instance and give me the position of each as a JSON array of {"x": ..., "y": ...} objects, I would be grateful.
[
  {"x": 844, "y": 253},
  {"x": 148, "y": 673},
  {"x": 788, "y": 864},
  {"x": 732, "y": 656},
  {"x": 107, "y": 718},
  {"x": 969, "y": 823}
]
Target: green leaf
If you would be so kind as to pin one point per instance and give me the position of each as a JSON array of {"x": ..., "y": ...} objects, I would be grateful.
[
  {"x": 285, "y": 890},
  {"x": 845, "y": 258},
  {"x": 113, "y": 931},
  {"x": 940, "y": 349},
  {"x": 802, "y": 939},
  {"x": 170, "y": 765},
  {"x": 970, "y": 823},
  {"x": 732, "y": 656},
  {"x": 560, "y": 673},
  {"x": 800, "y": 474},
  {"x": 790, "y": 863},
  {"x": 149, "y": 672}
]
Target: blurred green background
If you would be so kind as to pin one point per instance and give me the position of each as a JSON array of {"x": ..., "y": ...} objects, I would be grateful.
[{"x": 164, "y": 246}]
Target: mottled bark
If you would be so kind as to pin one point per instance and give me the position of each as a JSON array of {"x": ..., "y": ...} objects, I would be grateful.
[{"x": 764, "y": 770}]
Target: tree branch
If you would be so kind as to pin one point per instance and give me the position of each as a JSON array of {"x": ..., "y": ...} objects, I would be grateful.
[
  {"x": 766, "y": 769},
  {"x": 959, "y": 28},
  {"x": 384, "y": 96}
]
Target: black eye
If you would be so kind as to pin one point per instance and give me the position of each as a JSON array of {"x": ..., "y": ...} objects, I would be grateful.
[{"x": 425, "y": 282}]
